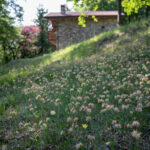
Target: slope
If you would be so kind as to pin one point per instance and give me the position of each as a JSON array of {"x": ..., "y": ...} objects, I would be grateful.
[
  {"x": 93, "y": 95},
  {"x": 120, "y": 38}
]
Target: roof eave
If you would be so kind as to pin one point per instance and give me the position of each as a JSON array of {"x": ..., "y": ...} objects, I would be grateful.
[{"x": 78, "y": 16}]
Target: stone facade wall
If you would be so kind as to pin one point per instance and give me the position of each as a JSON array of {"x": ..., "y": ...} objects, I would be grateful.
[{"x": 69, "y": 32}]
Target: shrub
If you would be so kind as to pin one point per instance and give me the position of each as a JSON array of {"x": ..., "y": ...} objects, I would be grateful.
[{"x": 28, "y": 43}]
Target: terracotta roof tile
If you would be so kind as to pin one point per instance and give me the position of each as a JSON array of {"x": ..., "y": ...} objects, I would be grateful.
[{"x": 76, "y": 14}]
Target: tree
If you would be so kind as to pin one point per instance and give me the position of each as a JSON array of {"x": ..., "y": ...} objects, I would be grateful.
[
  {"x": 133, "y": 6},
  {"x": 43, "y": 42},
  {"x": 119, "y": 12},
  {"x": 135, "y": 9},
  {"x": 96, "y": 5},
  {"x": 102, "y": 5},
  {"x": 10, "y": 47},
  {"x": 8, "y": 33},
  {"x": 130, "y": 6},
  {"x": 28, "y": 46}
]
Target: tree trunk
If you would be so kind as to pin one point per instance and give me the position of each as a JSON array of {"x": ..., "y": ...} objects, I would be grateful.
[
  {"x": 119, "y": 12},
  {"x": 147, "y": 11}
]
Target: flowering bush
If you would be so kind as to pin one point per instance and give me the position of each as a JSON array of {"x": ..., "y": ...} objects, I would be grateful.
[{"x": 28, "y": 43}]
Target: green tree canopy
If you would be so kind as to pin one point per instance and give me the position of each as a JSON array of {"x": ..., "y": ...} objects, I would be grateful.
[
  {"x": 43, "y": 42},
  {"x": 9, "y": 13},
  {"x": 8, "y": 7},
  {"x": 133, "y": 6},
  {"x": 130, "y": 6},
  {"x": 96, "y": 5}
]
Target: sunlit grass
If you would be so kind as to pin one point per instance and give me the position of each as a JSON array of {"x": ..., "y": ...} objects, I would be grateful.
[{"x": 73, "y": 52}]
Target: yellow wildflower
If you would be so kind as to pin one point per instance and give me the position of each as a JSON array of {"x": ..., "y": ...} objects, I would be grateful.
[{"x": 84, "y": 126}]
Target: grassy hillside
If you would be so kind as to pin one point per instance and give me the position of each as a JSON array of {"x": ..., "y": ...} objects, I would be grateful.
[
  {"x": 124, "y": 37},
  {"x": 92, "y": 95}
]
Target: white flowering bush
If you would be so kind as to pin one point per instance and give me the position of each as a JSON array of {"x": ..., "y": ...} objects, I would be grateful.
[{"x": 99, "y": 102}]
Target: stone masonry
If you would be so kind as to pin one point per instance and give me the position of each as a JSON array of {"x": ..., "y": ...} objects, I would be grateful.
[
  {"x": 66, "y": 30},
  {"x": 69, "y": 32}
]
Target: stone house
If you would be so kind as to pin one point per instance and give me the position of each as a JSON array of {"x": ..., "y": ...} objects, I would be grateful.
[{"x": 64, "y": 29}]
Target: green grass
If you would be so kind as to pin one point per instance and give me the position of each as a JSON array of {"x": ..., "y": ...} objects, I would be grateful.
[
  {"x": 91, "y": 95},
  {"x": 108, "y": 41}
]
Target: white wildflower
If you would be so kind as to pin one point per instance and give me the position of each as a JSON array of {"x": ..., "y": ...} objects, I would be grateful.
[
  {"x": 135, "y": 124},
  {"x": 136, "y": 134},
  {"x": 91, "y": 137},
  {"x": 78, "y": 145},
  {"x": 52, "y": 112}
]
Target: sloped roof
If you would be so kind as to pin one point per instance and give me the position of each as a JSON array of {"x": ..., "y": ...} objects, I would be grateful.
[{"x": 76, "y": 14}]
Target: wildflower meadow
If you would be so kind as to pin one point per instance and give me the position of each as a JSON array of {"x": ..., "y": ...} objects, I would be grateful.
[{"x": 100, "y": 101}]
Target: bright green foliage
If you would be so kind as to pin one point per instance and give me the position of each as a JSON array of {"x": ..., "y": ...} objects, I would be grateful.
[
  {"x": 87, "y": 5},
  {"x": 133, "y": 6},
  {"x": 89, "y": 95},
  {"x": 130, "y": 6},
  {"x": 82, "y": 20}
]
